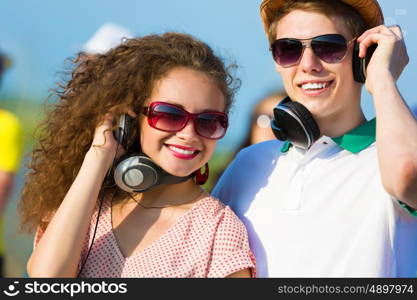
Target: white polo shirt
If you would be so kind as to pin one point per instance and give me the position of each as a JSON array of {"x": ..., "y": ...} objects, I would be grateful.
[{"x": 323, "y": 212}]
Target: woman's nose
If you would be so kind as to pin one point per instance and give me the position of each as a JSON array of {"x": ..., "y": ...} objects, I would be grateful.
[{"x": 188, "y": 132}]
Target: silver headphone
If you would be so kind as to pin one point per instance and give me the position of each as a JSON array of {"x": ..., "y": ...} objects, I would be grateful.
[{"x": 137, "y": 172}]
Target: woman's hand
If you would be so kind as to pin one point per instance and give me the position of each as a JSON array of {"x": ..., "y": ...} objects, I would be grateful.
[
  {"x": 389, "y": 58},
  {"x": 104, "y": 145}
]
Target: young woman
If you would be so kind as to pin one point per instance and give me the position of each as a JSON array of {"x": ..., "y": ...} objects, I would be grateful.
[{"x": 177, "y": 93}]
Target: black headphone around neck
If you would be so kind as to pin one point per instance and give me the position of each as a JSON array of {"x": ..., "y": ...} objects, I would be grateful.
[
  {"x": 136, "y": 172},
  {"x": 293, "y": 122}
]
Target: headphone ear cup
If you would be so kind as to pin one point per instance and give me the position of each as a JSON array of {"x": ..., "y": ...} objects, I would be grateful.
[
  {"x": 357, "y": 65},
  {"x": 279, "y": 133},
  {"x": 136, "y": 173},
  {"x": 306, "y": 118}
]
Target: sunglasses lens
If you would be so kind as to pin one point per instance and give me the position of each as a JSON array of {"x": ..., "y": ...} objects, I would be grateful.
[
  {"x": 167, "y": 118},
  {"x": 211, "y": 125},
  {"x": 287, "y": 52},
  {"x": 330, "y": 48}
]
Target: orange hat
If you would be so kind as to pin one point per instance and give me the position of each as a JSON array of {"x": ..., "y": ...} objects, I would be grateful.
[{"x": 368, "y": 9}]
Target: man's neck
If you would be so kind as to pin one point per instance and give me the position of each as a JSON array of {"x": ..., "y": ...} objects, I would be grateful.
[{"x": 334, "y": 126}]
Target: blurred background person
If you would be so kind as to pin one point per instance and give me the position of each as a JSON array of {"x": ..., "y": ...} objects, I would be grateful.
[
  {"x": 19, "y": 116},
  {"x": 108, "y": 36},
  {"x": 10, "y": 153},
  {"x": 260, "y": 122}
]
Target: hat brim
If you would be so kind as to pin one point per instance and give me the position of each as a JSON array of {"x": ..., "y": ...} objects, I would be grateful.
[{"x": 368, "y": 9}]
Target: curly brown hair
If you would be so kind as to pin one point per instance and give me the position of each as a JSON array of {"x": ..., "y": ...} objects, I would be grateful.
[{"x": 123, "y": 77}]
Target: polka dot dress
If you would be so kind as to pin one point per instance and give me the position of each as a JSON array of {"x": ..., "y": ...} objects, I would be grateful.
[{"x": 207, "y": 241}]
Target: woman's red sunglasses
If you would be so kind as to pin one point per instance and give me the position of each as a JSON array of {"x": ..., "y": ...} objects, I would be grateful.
[{"x": 172, "y": 118}]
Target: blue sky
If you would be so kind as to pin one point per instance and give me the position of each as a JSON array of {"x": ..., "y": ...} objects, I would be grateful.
[{"x": 40, "y": 35}]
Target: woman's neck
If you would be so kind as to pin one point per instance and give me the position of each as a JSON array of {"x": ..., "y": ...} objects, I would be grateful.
[{"x": 165, "y": 195}]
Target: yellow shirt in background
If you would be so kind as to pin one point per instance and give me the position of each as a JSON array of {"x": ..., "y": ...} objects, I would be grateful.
[
  {"x": 10, "y": 150},
  {"x": 10, "y": 142}
]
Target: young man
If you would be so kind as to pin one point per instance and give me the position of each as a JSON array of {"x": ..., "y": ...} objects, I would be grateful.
[{"x": 346, "y": 205}]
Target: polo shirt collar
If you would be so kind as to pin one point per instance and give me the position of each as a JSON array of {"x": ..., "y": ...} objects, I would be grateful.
[
  {"x": 358, "y": 138},
  {"x": 355, "y": 140}
]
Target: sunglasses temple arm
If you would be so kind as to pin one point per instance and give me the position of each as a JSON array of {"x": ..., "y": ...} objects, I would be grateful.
[{"x": 145, "y": 111}]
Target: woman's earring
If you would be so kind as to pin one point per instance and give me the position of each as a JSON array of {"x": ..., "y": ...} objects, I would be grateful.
[{"x": 202, "y": 178}]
